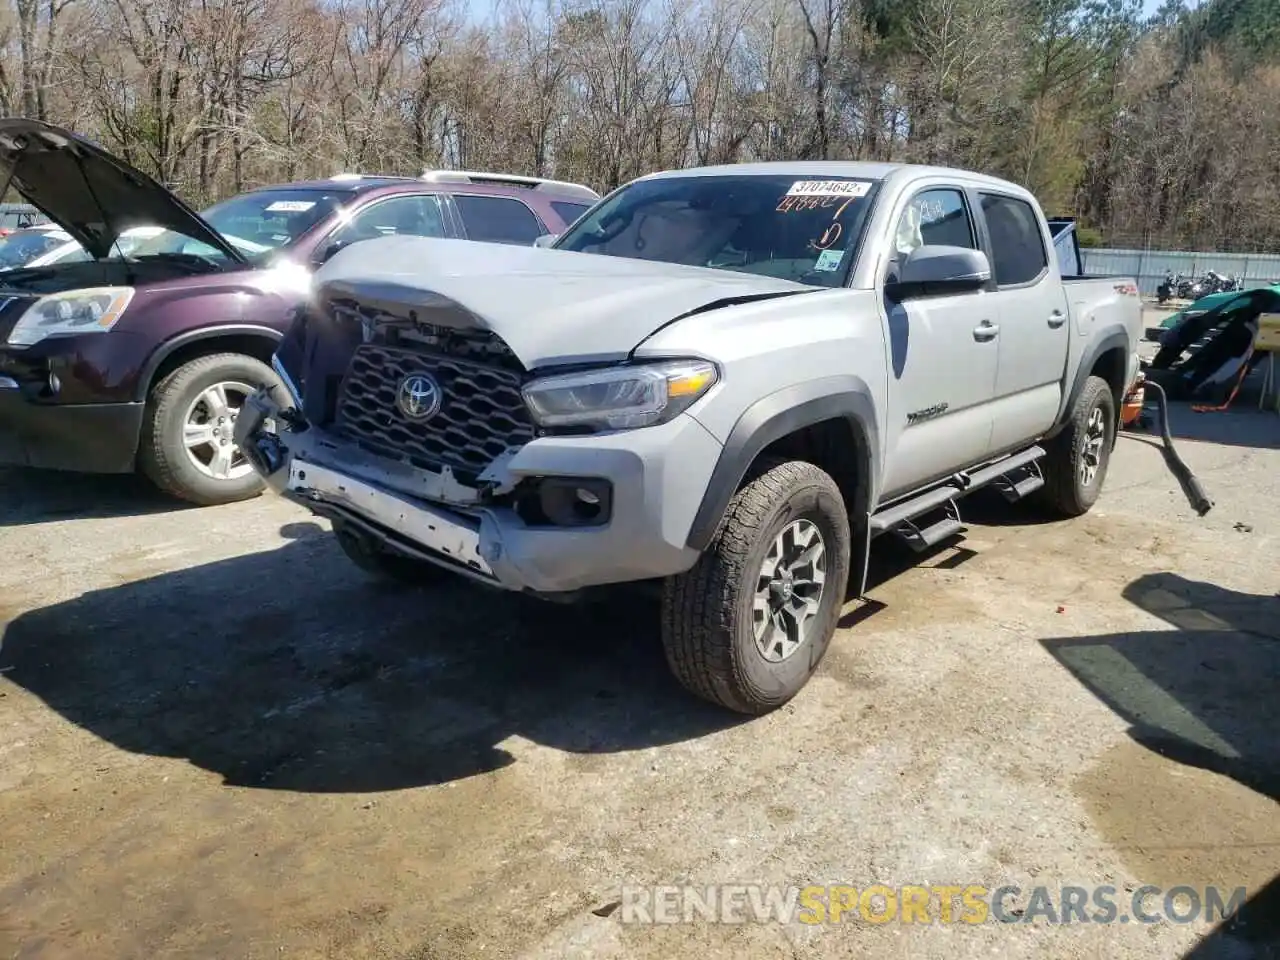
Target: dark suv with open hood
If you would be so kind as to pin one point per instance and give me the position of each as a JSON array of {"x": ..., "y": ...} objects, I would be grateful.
[{"x": 114, "y": 363}]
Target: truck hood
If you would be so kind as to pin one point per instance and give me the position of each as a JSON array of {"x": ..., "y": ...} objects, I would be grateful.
[
  {"x": 550, "y": 307},
  {"x": 89, "y": 193}
]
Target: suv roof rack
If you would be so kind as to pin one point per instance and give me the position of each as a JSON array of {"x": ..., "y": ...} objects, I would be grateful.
[
  {"x": 512, "y": 179},
  {"x": 370, "y": 176}
]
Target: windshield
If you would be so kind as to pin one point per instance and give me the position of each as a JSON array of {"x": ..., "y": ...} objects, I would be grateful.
[
  {"x": 257, "y": 224},
  {"x": 801, "y": 229}
]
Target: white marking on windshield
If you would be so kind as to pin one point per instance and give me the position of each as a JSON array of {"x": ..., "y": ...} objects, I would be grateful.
[
  {"x": 830, "y": 188},
  {"x": 290, "y": 206}
]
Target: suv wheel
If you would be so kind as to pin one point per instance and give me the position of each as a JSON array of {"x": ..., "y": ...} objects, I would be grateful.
[
  {"x": 747, "y": 626},
  {"x": 381, "y": 564},
  {"x": 186, "y": 447},
  {"x": 1077, "y": 461}
]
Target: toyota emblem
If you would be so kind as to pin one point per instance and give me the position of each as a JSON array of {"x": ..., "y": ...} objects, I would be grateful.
[{"x": 418, "y": 397}]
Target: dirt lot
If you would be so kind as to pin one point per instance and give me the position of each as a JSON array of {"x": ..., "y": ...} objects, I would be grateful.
[{"x": 218, "y": 740}]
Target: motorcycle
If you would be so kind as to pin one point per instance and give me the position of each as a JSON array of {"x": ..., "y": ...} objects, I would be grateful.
[
  {"x": 1210, "y": 283},
  {"x": 1168, "y": 286}
]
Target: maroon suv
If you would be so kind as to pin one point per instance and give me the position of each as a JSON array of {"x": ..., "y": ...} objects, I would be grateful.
[{"x": 110, "y": 364}]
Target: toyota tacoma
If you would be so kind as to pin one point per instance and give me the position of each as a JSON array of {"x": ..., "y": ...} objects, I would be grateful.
[{"x": 724, "y": 382}]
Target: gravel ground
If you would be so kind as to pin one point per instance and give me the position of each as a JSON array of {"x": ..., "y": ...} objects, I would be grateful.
[{"x": 218, "y": 739}]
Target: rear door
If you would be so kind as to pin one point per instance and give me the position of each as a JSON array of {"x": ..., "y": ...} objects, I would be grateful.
[
  {"x": 1032, "y": 309},
  {"x": 943, "y": 351}
]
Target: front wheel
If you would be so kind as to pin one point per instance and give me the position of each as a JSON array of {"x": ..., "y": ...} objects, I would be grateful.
[
  {"x": 187, "y": 448},
  {"x": 748, "y": 624},
  {"x": 1077, "y": 459}
]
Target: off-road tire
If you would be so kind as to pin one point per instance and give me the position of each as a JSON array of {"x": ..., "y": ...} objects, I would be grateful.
[
  {"x": 383, "y": 565},
  {"x": 163, "y": 458},
  {"x": 706, "y": 612},
  {"x": 1064, "y": 492}
]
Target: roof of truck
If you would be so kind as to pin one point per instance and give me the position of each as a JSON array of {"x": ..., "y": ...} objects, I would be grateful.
[{"x": 834, "y": 168}]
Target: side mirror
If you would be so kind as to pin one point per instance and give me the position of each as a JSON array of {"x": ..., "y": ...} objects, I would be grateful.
[
  {"x": 546, "y": 240},
  {"x": 934, "y": 268},
  {"x": 328, "y": 251}
]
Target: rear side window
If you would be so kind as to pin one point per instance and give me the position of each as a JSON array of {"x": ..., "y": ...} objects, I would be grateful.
[
  {"x": 498, "y": 220},
  {"x": 1017, "y": 245},
  {"x": 569, "y": 212}
]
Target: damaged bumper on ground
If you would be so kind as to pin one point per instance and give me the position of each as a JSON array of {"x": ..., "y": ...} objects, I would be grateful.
[{"x": 523, "y": 528}]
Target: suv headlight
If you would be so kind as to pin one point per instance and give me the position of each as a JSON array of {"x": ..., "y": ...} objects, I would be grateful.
[
  {"x": 92, "y": 310},
  {"x": 620, "y": 398}
]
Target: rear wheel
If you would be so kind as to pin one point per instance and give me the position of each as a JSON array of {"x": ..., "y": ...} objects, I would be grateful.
[
  {"x": 1077, "y": 460},
  {"x": 382, "y": 564},
  {"x": 187, "y": 448},
  {"x": 747, "y": 626}
]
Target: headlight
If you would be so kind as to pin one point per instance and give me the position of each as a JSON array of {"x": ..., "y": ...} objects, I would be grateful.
[
  {"x": 78, "y": 311},
  {"x": 619, "y": 398}
]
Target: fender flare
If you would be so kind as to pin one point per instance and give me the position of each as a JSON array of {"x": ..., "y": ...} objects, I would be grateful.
[
  {"x": 166, "y": 349},
  {"x": 1111, "y": 339},
  {"x": 773, "y": 417}
]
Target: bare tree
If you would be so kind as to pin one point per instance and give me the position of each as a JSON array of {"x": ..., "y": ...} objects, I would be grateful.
[{"x": 1167, "y": 131}]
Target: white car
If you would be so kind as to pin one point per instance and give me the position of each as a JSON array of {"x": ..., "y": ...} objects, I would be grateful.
[
  {"x": 130, "y": 241},
  {"x": 71, "y": 251}
]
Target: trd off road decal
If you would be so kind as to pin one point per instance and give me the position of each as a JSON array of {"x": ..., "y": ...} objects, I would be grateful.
[{"x": 928, "y": 413}]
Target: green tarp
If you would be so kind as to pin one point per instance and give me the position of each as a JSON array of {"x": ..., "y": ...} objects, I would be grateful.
[{"x": 1210, "y": 302}]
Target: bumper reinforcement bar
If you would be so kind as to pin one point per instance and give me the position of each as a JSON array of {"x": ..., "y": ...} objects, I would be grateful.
[{"x": 411, "y": 528}]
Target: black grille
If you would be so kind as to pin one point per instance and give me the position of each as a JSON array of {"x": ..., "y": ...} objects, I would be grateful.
[{"x": 481, "y": 414}]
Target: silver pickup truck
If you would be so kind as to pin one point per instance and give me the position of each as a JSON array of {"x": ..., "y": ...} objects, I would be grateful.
[{"x": 724, "y": 381}]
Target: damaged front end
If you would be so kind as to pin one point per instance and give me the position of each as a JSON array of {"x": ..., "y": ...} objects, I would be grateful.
[{"x": 403, "y": 430}]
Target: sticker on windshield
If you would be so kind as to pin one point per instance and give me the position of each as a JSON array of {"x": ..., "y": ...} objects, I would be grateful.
[
  {"x": 290, "y": 206},
  {"x": 829, "y": 260},
  {"x": 830, "y": 188}
]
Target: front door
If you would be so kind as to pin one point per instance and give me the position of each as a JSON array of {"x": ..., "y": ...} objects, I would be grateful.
[{"x": 943, "y": 352}]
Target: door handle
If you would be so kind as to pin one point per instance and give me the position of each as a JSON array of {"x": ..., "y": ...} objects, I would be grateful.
[
  {"x": 985, "y": 331},
  {"x": 1057, "y": 319}
]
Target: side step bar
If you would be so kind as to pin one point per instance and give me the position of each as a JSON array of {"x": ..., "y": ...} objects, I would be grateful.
[{"x": 899, "y": 517}]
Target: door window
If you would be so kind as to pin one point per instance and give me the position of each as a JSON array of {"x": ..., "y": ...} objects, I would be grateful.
[
  {"x": 1017, "y": 245},
  {"x": 417, "y": 215},
  {"x": 935, "y": 217},
  {"x": 568, "y": 211},
  {"x": 498, "y": 220}
]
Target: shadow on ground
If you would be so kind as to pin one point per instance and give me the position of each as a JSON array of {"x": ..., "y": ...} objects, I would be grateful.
[
  {"x": 290, "y": 670},
  {"x": 42, "y": 496},
  {"x": 1204, "y": 696},
  {"x": 1240, "y": 425}
]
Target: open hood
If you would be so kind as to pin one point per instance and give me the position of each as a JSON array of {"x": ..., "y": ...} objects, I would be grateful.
[
  {"x": 88, "y": 192},
  {"x": 549, "y": 306}
]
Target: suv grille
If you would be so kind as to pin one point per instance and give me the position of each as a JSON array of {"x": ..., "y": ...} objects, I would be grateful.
[{"x": 481, "y": 414}]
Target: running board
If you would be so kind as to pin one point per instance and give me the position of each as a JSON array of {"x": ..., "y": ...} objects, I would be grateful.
[
  {"x": 895, "y": 516},
  {"x": 921, "y": 539},
  {"x": 1014, "y": 490}
]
